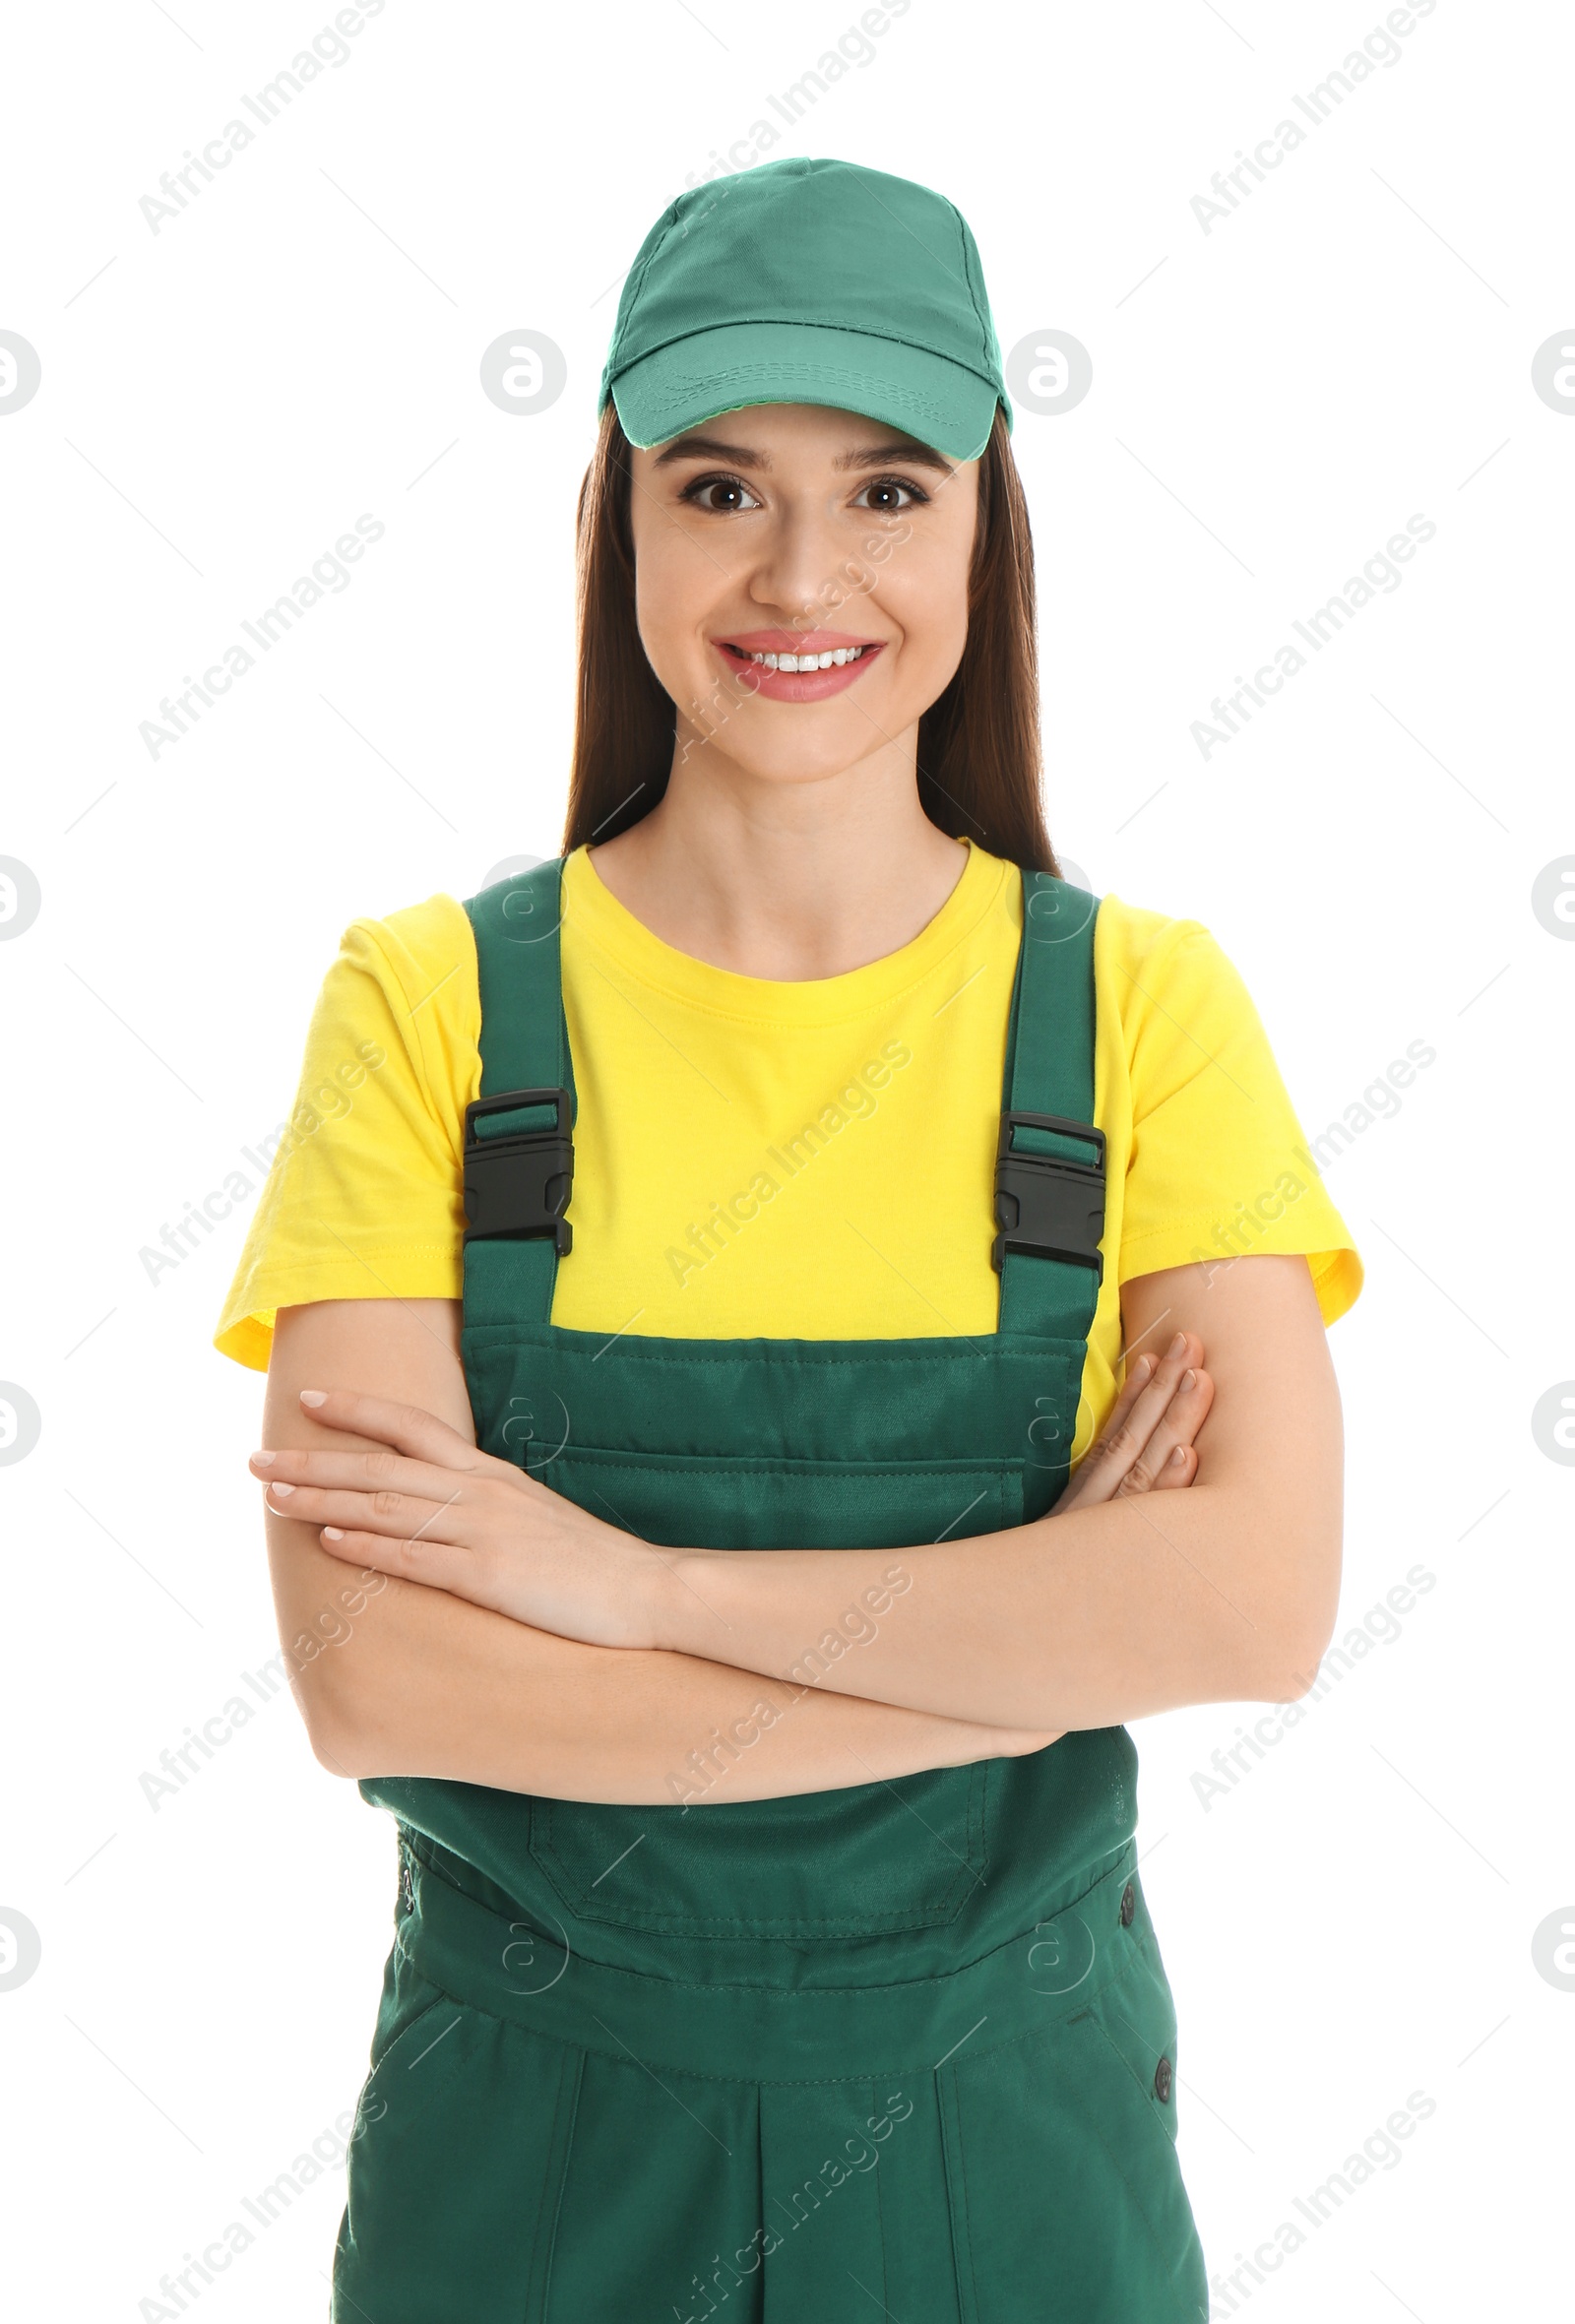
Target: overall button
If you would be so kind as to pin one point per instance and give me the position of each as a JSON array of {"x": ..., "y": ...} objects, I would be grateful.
[
  {"x": 1129, "y": 1905},
  {"x": 1164, "y": 2081}
]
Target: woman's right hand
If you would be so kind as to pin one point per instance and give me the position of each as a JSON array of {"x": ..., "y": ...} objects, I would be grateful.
[{"x": 1148, "y": 1445}]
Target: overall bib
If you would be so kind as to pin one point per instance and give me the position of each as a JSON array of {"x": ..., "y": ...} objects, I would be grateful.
[{"x": 907, "y": 2049}]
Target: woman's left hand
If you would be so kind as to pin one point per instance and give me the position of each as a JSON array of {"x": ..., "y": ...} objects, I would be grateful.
[
  {"x": 1148, "y": 1443},
  {"x": 431, "y": 1507}
]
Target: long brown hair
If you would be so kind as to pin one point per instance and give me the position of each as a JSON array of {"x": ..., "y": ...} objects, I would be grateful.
[{"x": 979, "y": 742}]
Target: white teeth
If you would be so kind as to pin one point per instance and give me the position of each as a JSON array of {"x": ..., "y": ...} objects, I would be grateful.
[{"x": 801, "y": 661}]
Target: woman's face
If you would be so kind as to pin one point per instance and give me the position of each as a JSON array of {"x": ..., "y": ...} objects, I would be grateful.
[{"x": 794, "y": 529}]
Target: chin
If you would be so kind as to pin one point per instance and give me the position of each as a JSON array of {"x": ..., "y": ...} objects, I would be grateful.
[{"x": 801, "y": 755}]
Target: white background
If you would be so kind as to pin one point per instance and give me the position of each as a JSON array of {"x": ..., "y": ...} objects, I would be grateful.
[{"x": 1271, "y": 399}]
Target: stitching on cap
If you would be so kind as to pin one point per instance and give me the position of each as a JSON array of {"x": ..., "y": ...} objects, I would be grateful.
[{"x": 794, "y": 322}]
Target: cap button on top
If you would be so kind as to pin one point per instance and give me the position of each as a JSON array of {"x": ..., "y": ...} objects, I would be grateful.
[
  {"x": 1164, "y": 2081},
  {"x": 1129, "y": 1905}
]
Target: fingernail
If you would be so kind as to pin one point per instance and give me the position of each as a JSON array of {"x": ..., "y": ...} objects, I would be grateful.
[
  {"x": 1179, "y": 1458},
  {"x": 263, "y": 1460},
  {"x": 1189, "y": 1379},
  {"x": 331, "y": 1533},
  {"x": 280, "y": 1491},
  {"x": 313, "y": 1396},
  {"x": 1142, "y": 1369},
  {"x": 1179, "y": 1345}
]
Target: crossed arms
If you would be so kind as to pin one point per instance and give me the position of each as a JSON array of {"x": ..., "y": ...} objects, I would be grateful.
[{"x": 446, "y": 1615}]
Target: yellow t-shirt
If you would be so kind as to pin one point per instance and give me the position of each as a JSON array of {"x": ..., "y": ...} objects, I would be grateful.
[{"x": 788, "y": 1159}]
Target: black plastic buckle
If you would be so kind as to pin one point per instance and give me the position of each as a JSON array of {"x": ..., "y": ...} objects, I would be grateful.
[
  {"x": 518, "y": 1183},
  {"x": 1046, "y": 1205}
]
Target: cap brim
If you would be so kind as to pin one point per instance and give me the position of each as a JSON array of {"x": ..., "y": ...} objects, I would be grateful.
[{"x": 941, "y": 403}]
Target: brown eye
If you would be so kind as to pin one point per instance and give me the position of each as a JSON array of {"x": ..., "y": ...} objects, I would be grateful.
[
  {"x": 719, "y": 496},
  {"x": 889, "y": 496}
]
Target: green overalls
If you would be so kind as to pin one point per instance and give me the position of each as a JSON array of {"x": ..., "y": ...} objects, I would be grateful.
[{"x": 904, "y": 2049}]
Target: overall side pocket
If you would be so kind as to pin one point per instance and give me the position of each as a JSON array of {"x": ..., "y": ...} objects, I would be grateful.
[
  {"x": 1064, "y": 2160},
  {"x": 455, "y": 2167}
]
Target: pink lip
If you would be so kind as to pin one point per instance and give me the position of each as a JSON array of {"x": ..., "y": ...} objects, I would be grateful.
[{"x": 784, "y": 685}]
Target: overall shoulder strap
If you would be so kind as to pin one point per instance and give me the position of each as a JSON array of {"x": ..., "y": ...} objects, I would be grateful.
[
  {"x": 1050, "y": 1199},
  {"x": 518, "y": 1158}
]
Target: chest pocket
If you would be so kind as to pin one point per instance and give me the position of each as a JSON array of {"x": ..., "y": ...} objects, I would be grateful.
[{"x": 872, "y": 1859}]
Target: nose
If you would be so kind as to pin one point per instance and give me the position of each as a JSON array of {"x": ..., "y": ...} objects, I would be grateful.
[{"x": 806, "y": 563}]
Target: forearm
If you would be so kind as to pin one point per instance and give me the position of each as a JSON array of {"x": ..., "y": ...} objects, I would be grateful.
[
  {"x": 398, "y": 1679},
  {"x": 1082, "y": 1620},
  {"x": 1102, "y": 1613}
]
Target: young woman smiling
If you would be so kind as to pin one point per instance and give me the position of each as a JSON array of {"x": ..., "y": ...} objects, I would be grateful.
[{"x": 724, "y": 1368}]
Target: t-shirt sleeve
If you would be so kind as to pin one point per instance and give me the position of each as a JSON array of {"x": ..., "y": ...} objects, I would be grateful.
[
  {"x": 1218, "y": 1163},
  {"x": 364, "y": 1197}
]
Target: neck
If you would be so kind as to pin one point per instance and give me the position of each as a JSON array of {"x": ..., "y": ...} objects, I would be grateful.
[{"x": 785, "y": 878}]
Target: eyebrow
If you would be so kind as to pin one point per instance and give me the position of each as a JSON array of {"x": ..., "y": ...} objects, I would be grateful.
[{"x": 697, "y": 447}]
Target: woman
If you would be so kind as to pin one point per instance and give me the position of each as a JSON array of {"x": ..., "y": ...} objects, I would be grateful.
[{"x": 687, "y": 1556}]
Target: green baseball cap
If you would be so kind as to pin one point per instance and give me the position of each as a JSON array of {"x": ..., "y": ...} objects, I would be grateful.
[{"x": 808, "y": 282}]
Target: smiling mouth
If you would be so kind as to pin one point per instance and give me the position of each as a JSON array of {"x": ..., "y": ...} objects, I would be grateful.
[
  {"x": 803, "y": 665},
  {"x": 834, "y": 657}
]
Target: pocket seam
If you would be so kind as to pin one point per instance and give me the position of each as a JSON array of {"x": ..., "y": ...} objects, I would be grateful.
[
  {"x": 376, "y": 2065},
  {"x": 1167, "y": 2159},
  {"x": 1144, "y": 2091},
  {"x": 1167, "y": 2156},
  {"x": 566, "y": 2116},
  {"x": 1146, "y": 1963}
]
